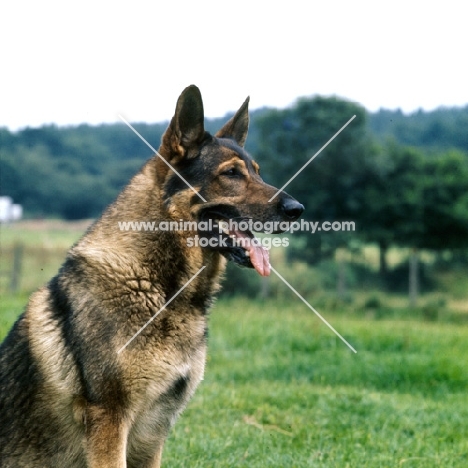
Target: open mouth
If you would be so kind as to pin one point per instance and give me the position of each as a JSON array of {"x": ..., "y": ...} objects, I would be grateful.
[
  {"x": 230, "y": 235},
  {"x": 242, "y": 247}
]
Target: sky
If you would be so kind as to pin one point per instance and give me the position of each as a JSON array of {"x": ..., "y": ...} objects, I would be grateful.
[{"x": 87, "y": 62}]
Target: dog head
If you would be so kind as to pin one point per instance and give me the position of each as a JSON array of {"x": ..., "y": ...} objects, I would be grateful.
[{"x": 213, "y": 179}]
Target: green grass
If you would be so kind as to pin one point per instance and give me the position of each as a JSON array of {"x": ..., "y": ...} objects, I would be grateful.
[
  {"x": 281, "y": 390},
  {"x": 45, "y": 233},
  {"x": 10, "y": 307},
  {"x": 44, "y": 246}
]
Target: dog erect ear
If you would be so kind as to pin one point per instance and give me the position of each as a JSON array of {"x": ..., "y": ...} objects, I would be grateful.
[
  {"x": 238, "y": 126},
  {"x": 186, "y": 130}
]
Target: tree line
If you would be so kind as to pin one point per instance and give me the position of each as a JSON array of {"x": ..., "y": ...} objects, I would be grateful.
[{"x": 402, "y": 178}]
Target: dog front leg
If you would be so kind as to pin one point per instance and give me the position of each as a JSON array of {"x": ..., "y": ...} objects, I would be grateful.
[
  {"x": 106, "y": 438},
  {"x": 156, "y": 462}
]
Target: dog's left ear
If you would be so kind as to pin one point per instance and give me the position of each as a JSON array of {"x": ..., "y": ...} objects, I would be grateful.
[
  {"x": 186, "y": 130},
  {"x": 238, "y": 126},
  {"x": 189, "y": 117}
]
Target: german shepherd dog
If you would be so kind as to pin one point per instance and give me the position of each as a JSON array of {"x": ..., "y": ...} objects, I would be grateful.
[{"x": 74, "y": 391}]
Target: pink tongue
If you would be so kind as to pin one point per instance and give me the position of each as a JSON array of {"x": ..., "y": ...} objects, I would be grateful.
[
  {"x": 260, "y": 259},
  {"x": 259, "y": 256}
]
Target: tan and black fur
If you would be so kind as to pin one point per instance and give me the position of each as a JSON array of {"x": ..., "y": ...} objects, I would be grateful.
[{"x": 68, "y": 399}]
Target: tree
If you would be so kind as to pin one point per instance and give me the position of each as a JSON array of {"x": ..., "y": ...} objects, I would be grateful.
[
  {"x": 445, "y": 202},
  {"x": 288, "y": 138},
  {"x": 438, "y": 130},
  {"x": 415, "y": 201},
  {"x": 391, "y": 199}
]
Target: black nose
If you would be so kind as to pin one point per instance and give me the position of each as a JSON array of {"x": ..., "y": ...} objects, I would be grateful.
[{"x": 291, "y": 208}]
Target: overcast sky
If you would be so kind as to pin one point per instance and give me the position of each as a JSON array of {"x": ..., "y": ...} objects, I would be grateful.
[{"x": 72, "y": 62}]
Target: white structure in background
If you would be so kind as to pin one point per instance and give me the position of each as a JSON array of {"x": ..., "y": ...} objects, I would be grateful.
[{"x": 9, "y": 211}]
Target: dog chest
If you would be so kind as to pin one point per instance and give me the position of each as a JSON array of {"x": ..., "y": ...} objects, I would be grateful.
[{"x": 161, "y": 392}]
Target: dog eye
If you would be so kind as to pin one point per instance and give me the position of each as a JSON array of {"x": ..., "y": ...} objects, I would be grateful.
[{"x": 230, "y": 173}]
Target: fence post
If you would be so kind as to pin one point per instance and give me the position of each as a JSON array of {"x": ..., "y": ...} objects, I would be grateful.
[
  {"x": 265, "y": 287},
  {"x": 341, "y": 280},
  {"x": 18, "y": 250},
  {"x": 413, "y": 278}
]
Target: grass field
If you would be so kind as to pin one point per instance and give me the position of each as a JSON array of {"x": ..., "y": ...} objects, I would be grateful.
[{"x": 281, "y": 390}]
